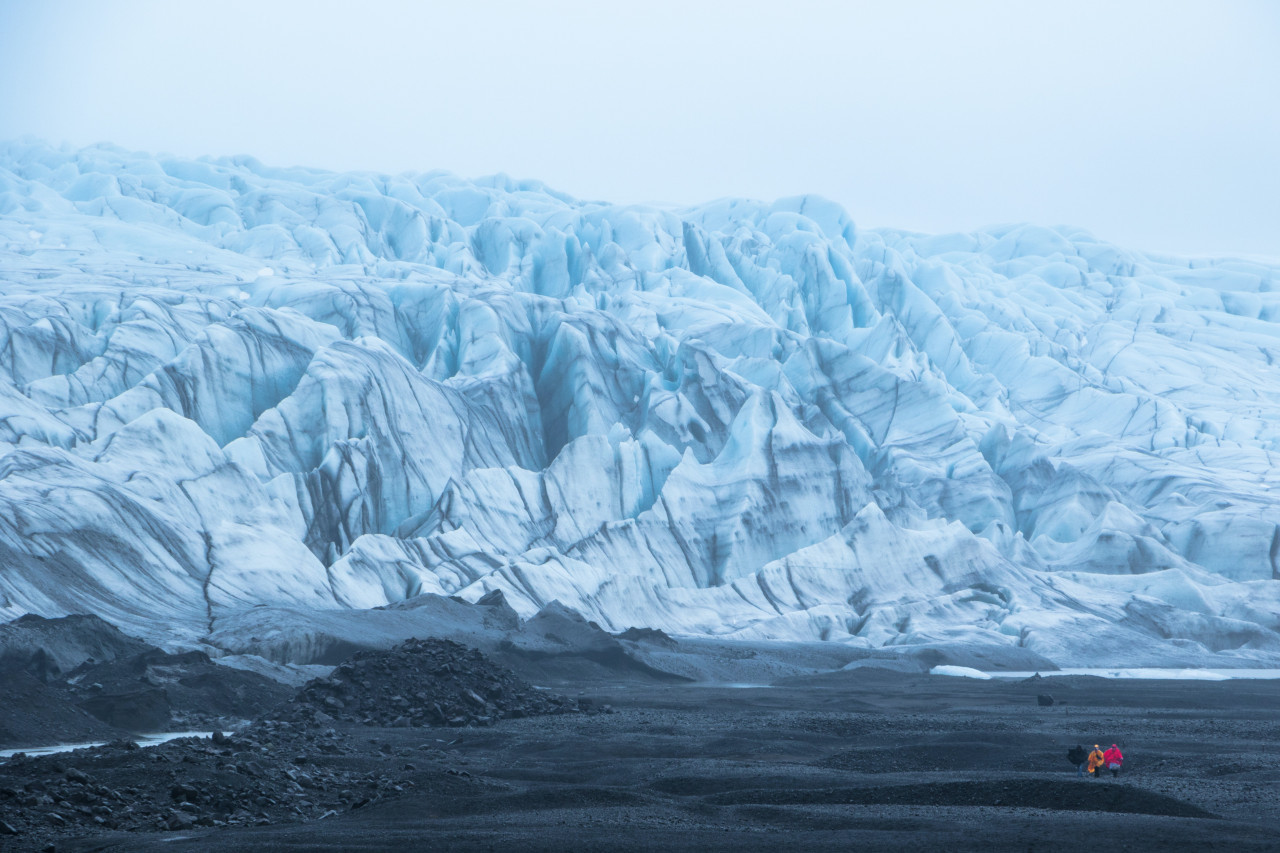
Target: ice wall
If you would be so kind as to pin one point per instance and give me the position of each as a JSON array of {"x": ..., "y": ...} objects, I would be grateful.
[{"x": 224, "y": 384}]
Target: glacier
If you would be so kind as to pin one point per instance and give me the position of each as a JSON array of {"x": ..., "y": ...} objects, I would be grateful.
[{"x": 226, "y": 386}]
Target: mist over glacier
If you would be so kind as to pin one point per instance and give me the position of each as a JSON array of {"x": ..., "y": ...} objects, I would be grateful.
[{"x": 228, "y": 385}]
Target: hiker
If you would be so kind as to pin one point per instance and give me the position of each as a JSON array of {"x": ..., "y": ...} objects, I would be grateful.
[
  {"x": 1112, "y": 759},
  {"x": 1078, "y": 757},
  {"x": 1096, "y": 760}
]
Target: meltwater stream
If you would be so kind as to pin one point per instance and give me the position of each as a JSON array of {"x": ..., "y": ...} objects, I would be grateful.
[{"x": 153, "y": 739}]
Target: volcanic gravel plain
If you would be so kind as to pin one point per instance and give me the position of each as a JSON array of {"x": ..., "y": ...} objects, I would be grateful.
[{"x": 456, "y": 752}]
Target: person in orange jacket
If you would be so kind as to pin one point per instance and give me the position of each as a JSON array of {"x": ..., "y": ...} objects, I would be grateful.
[
  {"x": 1096, "y": 760},
  {"x": 1112, "y": 759}
]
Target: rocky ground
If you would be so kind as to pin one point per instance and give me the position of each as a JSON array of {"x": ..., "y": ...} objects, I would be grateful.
[
  {"x": 267, "y": 775},
  {"x": 310, "y": 758},
  {"x": 869, "y": 758}
]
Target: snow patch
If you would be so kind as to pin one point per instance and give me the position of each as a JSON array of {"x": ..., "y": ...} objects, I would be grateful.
[{"x": 959, "y": 671}]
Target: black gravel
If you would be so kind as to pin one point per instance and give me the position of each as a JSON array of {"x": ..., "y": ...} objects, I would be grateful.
[
  {"x": 421, "y": 683},
  {"x": 871, "y": 761},
  {"x": 1065, "y": 795},
  {"x": 270, "y": 774},
  {"x": 305, "y": 760}
]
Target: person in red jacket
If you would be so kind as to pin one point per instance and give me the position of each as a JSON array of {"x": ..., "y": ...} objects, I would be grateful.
[{"x": 1112, "y": 759}]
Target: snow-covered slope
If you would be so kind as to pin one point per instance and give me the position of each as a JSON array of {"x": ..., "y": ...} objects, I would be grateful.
[{"x": 223, "y": 384}]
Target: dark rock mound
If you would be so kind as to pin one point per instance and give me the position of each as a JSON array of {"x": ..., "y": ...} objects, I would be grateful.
[
  {"x": 33, "y": 713},
  {"x": 560, "y": 644},
  {"x": 145, "y": 710},
  {"x": 79, "y": 678},
  {"x": 48, "y": 648},
  {"x": 653, "y": 636},
  {"x": 421, "y": 683},
  {"x": 149, "y": 691},
  {"x": 556, "y": 629},
  {"x": 501, "y": 614}
]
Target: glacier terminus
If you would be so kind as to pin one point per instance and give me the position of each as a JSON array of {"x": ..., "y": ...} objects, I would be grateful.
[{"x": 230, "y": 393}]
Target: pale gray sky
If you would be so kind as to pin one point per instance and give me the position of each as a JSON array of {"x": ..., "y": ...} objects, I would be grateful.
[{"x": 1153, "y": 124}]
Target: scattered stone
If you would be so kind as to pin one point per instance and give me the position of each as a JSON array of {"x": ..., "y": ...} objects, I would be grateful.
[
  {"x": 1045, "y": 700},
  {"x": 184, "y": 794}
]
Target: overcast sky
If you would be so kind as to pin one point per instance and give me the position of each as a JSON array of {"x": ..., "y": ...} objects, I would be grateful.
[{"x": 1153, "y": 124}]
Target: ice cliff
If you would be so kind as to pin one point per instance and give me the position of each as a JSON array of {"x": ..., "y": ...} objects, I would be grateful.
[{"x": 224, "y": 384}]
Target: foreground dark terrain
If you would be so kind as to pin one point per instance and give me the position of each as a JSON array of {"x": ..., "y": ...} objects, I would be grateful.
[{"x": 865, "y": 759}]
